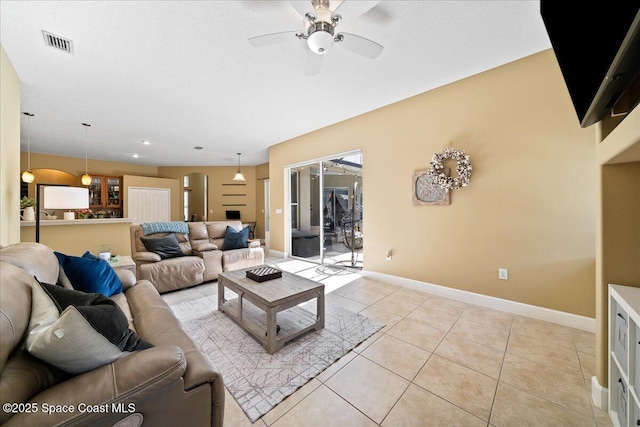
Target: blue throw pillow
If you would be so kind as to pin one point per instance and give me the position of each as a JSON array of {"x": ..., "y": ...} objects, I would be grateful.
[
  {"x": 90, "y": 274},
  {"x": 235, "y": 239},
  {"x": 89, "y": 255}
]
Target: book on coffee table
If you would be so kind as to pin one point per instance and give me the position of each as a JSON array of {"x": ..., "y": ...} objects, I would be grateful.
[{"x": 262, "y": 274}]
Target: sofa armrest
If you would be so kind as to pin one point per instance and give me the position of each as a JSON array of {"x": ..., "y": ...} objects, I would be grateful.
[
  {"x": 212, "y": 263},
  {"x": 203, "y": 247},
  {"x": 130, "y": 379},
  {"x": 255, "y": 243},
  {"x": 127, "y": 278},
  {"x": 146, "y": 257}
]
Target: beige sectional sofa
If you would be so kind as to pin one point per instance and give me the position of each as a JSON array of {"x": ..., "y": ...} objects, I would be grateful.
[
  {"x": 170, "y": 384},
  {"x": 203, "y": 258}
]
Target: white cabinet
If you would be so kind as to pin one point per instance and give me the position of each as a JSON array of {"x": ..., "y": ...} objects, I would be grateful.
[{"x": 624, "y": 355}]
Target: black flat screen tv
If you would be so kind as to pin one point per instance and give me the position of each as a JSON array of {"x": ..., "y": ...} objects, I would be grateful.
[{"x": 597, "y": 46}]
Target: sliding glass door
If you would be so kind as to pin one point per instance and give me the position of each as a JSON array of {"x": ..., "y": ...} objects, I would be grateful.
[
  {"x": 325, "y": 199},
  {"x": 305, "y": 211}
]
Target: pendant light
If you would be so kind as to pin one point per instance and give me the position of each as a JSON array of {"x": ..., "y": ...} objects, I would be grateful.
[
  {"x": 239, "y": 176},
  {"x": 86, "y": 178},
  {"x": 27, "y": 176}
]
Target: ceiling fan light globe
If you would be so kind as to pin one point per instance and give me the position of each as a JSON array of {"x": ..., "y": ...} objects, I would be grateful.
[{"x": 320, "y": 42}]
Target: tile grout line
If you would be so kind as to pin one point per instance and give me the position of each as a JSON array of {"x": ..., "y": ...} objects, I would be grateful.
[
  {"x": 504, "y": 356},
  {"x": 448, "y": 333}
]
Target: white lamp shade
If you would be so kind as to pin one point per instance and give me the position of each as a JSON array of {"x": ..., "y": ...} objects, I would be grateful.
[
  {"x": 66, "y": 198},
  {"x": 239, "y": 177}
]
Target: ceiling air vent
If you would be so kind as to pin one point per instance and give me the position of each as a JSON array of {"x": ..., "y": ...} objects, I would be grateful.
[{"x": 58, "y": 42}]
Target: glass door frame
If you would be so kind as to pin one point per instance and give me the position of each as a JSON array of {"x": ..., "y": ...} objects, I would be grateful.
[
  {"x": 287, "y": 212},
  {"x": 288, "y": 171}
]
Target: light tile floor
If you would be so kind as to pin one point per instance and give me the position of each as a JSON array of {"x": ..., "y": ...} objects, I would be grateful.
[{"x": 437, "y": 362}]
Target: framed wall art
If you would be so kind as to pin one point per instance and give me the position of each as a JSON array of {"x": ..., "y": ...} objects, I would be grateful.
[{"x": 425, "y": 192}]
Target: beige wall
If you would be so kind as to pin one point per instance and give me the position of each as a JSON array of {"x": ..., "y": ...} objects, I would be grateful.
[
  {"x": 262, "y": 174},
  {"x": 530, "y": 206},
  {"x": 617, "y": 225},
  {"x": 75, "y": 165},
  {"x": 219, "y": 175},
  {"x": 9, "y": 152},
  {"x": 76, "y": 239},
  {"x": 173, "y": 185}
]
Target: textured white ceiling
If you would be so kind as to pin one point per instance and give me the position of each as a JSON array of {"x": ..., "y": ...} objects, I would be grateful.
[{"x": 182, "y": 74}]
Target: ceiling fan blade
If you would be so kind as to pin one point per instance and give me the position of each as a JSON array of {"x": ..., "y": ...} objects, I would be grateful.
[
  {"x": 314, "y": 63},
  {"x": 350, "y": 8},
  {"x": 360, "y": 45},
  {"x": 274, "y": 38},
  {"x": 303, "y": 7}
]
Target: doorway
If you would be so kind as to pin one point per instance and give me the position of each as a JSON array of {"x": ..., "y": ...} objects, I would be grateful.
[
  {"x": 267, "y": 214},
  {"x": 325, "y": 211}
]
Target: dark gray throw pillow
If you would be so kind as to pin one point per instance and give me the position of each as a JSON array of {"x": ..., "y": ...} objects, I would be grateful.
[
  {"x": 235, "y": 239},
  {"x": 78, "y": 331},
  {"x": 165, "y": 247}
]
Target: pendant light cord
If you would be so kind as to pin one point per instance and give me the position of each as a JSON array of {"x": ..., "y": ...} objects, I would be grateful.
[
  {"x": 29, "y": 115},
  {"x": 86, "y": 150},
  {"x": 28, "y": 141}
]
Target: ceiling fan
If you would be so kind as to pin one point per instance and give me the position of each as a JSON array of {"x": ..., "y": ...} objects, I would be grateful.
[{"x": 319, "y": 31}]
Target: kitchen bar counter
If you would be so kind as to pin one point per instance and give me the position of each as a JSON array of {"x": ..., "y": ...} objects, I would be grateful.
[
  {"x": 50, "y": 222},
  {"x": 74, "y": 237}
]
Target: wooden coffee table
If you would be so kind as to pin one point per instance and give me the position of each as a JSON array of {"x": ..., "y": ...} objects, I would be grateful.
[{"x": 266, "y": 300}]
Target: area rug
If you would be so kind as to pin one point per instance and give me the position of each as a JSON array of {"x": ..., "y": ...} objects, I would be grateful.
[{"x": 257, "y": 380}]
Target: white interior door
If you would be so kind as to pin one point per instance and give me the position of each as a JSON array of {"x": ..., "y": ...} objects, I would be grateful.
[{"x": 149, "y": 204}]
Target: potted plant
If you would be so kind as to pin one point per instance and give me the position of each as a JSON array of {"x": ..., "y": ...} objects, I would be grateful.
[
  {"x": 84, "y": 213},
  {"x": 101, "y": 214},
  {"x": 27, "y": 205}
]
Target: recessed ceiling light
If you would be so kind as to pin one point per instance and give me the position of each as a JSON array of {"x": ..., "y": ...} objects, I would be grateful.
[
  {"x": 146, "y": 142},
  {"x": 135, "y": 155}
]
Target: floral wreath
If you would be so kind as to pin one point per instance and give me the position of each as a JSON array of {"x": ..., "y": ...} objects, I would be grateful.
[{"x": 436, "y": 171}]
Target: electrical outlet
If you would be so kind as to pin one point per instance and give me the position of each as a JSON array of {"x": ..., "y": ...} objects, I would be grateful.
[
  {"x": 389, "y": 254},
  {"x": 503, "y": 274}
]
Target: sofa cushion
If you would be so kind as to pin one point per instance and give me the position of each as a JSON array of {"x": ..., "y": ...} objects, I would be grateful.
[
  {"x": 237, "y": 259},
  {"x": 203, "y": 247},
  {"x": 174, "y": 273},
  {"x": 235, "y": 239},
  {"x": 90, "y": 274},
  {"x": 165, "y": 247},
  {"x": 218, "y": 229},
  {"x": 39, "y": 262},
  {"x": 15, "y": 305},
  {"x": 77, "y": 331}
]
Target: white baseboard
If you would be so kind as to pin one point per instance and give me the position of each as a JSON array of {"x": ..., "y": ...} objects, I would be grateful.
[
  {"x": 546, "y": 314},
  {"x": 599, "y": 394},
  {"x": 272, "y": 253}
]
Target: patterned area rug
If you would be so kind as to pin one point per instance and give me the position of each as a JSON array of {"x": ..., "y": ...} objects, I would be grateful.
[{"x": 257, "y": 380}]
